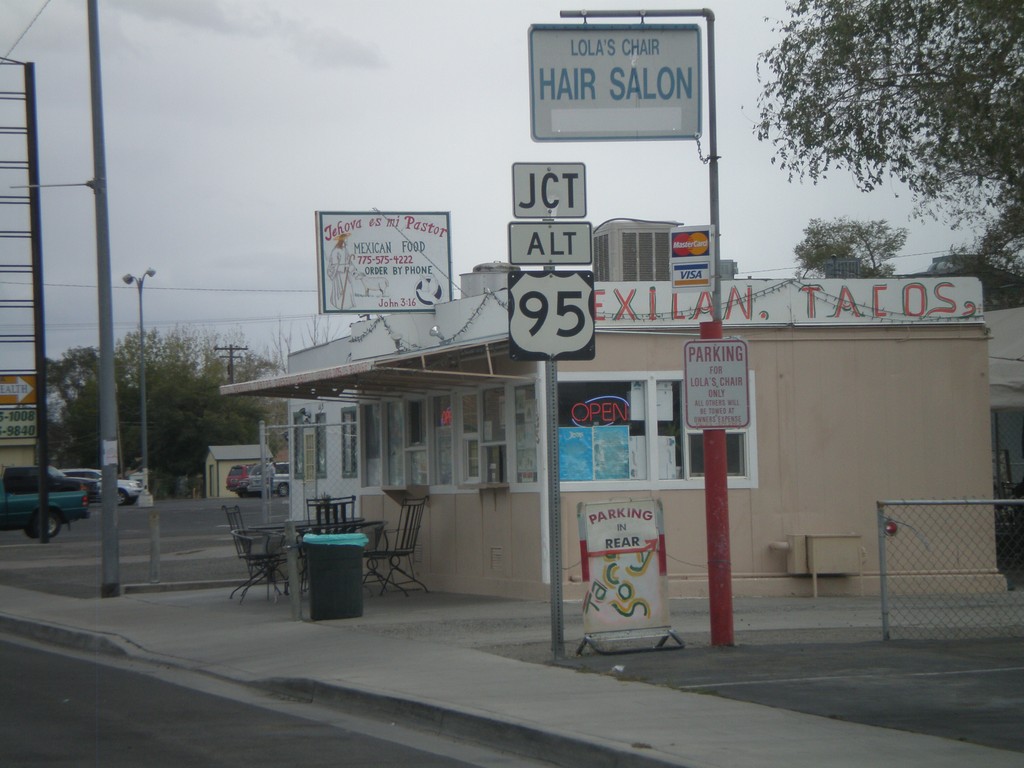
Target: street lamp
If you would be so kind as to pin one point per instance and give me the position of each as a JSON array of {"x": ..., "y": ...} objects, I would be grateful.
[{"x": 145, "y": 498}]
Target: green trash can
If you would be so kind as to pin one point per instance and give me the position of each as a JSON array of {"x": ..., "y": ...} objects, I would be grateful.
[{"x": 335, "y": 563}]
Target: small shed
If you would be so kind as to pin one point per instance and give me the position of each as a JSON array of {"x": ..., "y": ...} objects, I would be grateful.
[{"x": 219, "y": 461}]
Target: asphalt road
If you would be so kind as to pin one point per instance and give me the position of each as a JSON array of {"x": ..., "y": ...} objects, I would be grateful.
[
  {"x": 827, "y": 660},
  {"x": 68, "y": 710}
]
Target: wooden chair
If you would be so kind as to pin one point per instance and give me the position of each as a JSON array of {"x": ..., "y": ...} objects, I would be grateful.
[
  {"x": 264, "y": 555},
  {"x": 384, "y": 560}
]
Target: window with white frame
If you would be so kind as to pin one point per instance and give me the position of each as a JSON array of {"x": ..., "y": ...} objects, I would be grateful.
[
  {"x": 394, "y": 443},
  {"x": 493, "y": 442},
  {"x": 469, "y": 435},
  {"x": 441, "y": 419},
  {"x": 735, "y": 453},
  {"x": 604, "y": 432},
  {"x": 349, "y": 444},
  {"x": 371, "y": 433},
  {"x": 527, "y": 428},
  {"x": 463, "y": 437},
  {"x": 416, "y": 442},
  {"x": 680, "y": 450}
]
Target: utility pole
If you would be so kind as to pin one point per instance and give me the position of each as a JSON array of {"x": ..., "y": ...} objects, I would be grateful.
[
  {"x": 111, "y": 580},
  {"x": 231, "y": 349}
]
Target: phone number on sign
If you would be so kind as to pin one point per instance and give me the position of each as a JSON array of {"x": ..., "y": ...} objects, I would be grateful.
[
  {"x": 382, "y": 259},
  {"x": 17, "y": 423}
]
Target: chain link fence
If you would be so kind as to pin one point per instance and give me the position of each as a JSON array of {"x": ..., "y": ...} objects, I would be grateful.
[{"x": 951, "y": 569}]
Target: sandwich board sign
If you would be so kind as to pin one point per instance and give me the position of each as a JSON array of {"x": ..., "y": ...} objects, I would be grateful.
[{"x": 622, "y": 547}]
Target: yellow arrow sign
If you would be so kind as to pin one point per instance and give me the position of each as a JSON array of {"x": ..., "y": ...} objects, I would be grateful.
[{"x": 17, "y": 390}]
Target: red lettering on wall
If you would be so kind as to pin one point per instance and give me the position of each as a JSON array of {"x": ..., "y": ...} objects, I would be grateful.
[
  {"x": 911, "y": 291},
  {"x": 876, "y": 301}
]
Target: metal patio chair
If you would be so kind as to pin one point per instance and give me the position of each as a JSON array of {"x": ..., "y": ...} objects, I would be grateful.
[
  {"x": 265, "y": 556},
  {"x": 395, "y": 548}
]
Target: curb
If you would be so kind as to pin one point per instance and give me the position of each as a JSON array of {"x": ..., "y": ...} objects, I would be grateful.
[
  {"x": 178, "y": 586},
  {"x": 67, "y": 637},
  {"x": 515, "y": 738}
]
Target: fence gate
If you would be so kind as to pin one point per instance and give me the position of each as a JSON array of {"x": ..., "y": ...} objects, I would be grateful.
[{"x": 951, "y": 569}]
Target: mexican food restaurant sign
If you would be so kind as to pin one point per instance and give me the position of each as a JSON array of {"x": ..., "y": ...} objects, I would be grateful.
[
  {"x": 615, "y": 82},
  {"x": 622, "y": 544},
  {"x": 892, "y": 301},
  {"x": 376, "y": 262}
]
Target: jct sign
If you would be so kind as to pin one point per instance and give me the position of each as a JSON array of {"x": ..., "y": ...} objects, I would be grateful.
[
  {"x": 607, "y": 82},
  {"x": 716, "y": 381}
]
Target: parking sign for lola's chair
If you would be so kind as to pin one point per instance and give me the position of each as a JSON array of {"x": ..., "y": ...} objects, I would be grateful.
[{"x": 622, "y": 544}]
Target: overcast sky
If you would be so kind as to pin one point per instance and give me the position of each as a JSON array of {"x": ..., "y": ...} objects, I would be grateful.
[{"x": 230, "y": 122}]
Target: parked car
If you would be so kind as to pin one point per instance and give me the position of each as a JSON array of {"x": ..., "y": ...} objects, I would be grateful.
[
  {"x": 278, "y": 483},
  {"x": 238, "y": 479},
  {"x": 26, "y": 480},
  {"x": 127, "y": 490},
  {"x": 19, "y": 500}
]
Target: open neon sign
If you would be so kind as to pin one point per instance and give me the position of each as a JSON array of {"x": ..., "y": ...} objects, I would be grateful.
[{"x": 602, "y": 410}]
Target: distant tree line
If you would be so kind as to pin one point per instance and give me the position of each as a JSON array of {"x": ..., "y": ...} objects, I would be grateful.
[{"x": 185, "y": 410}]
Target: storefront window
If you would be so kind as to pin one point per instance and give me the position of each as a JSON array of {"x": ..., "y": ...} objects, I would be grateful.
[
  {"x": 393, "y": 443},
  {"x": 371, "y": 444},
  {"x": 416, "y": 442},
  {"x": 670, "y": 418},
  {"x": 601, "y": 431},
  {"x": 321, "y": 445},
  {"x": 526, "y": 433},
  {"x": 735, "y": 454},
  {"x": 470, "y": 433},
  {"x": 349, "y": 444},
  {"x": 441, "y": 416},
  {"x": 494, "y": 435}
]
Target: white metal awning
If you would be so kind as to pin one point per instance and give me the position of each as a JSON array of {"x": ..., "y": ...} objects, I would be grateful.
[{"x": 437, "y": 369}]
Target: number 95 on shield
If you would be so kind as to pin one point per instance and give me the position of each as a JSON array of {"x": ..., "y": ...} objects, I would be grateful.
[{"x": 551, "y": 315}]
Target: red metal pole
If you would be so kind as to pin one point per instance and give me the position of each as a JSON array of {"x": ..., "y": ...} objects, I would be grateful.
[{"x": 716, "y": 508}]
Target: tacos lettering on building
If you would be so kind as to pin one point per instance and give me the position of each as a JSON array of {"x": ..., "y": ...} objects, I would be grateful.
[{"x": 793, "y": 302}]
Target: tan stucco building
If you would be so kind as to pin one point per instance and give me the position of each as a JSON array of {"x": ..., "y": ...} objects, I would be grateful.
[{"x": 860, "y": 390}]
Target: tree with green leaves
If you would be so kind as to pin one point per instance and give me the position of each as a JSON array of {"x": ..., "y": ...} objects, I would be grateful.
[
  {"x": 827, "y": 243},
  {"x": 185, "y": 411},
  {"x": 930, "y": 92}
]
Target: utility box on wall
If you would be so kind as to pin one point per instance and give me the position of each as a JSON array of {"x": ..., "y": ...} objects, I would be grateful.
[{"x": 815, "y": 554}]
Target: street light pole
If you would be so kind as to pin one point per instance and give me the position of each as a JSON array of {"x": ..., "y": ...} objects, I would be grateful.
[{"x": 145, "y": 498}]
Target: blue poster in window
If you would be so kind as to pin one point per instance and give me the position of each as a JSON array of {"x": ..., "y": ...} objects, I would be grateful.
[
  {"x": 575, "y": 453},
  {"x": 611, "y": 453}
]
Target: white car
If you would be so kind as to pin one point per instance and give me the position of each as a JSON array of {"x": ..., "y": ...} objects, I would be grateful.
[
  {"x": 127, "y": 490},
  {"x": 278, "y": 482}
]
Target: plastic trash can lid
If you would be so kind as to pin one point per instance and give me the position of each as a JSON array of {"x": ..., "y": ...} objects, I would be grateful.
[{"x": 337, "y": 539}]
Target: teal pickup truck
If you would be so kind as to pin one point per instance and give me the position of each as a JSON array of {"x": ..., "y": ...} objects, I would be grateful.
[{"x": 19, "y": 502}]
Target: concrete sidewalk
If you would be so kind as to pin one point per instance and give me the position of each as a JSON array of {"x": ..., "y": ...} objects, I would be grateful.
[{"x": 421, "y": 660}]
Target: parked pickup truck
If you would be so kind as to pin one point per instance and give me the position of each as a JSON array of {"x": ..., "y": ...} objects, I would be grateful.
[{"x": 19, "y": 507}]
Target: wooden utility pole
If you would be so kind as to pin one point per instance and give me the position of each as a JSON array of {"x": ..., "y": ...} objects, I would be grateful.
[{"x": 231, "y": 349}]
